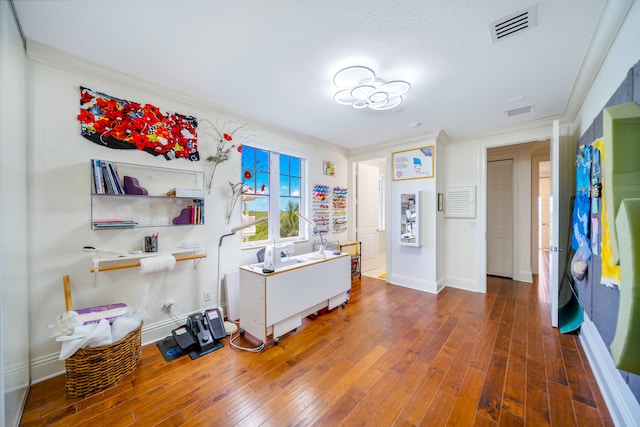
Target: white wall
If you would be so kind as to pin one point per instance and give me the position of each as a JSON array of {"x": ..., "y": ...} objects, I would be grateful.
[
  {"x": 465, "y": 244},
  {"x": 621, "y": 56},
  {"x": 457, "y": 256},
  {"x": 14, "y": 304},
  {"x": 60, "y": 201},
  {"x": 413, "y": 267}
]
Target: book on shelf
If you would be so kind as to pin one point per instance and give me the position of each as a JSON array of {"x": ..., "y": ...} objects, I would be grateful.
[
  {"x": 116, "y": 178},
  {"x": 106, "y": 179},
  {"x": 114, "y": 223},
  {"x": 98, "y": 183},
  {"x": 192, "y": 214}
]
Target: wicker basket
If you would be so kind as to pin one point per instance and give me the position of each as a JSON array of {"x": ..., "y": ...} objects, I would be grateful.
[{"x": 94, "y": 369}]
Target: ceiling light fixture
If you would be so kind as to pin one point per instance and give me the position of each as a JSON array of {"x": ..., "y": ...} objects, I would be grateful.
[{"x": 359, "y": 87}]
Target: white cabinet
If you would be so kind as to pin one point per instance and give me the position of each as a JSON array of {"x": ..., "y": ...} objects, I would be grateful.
[
  {"x": 126, "y": 195},
  {"x": 272, "y": 304},
  {"x": 410, "y": 219}
]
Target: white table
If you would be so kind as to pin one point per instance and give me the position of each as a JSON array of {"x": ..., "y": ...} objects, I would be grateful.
[{"x": 272, "y": 304}]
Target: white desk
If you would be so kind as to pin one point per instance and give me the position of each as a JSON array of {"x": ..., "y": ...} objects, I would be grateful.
[{"x": 275, "y": 303}]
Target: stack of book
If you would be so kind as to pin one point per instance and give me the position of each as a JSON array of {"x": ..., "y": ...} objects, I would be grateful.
[
  {"x": 106, "y": 179},
  {"x": 113, "y": 223},
  {"x": 192, "y": 214}
]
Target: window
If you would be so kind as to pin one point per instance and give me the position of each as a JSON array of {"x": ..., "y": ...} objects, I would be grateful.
[
  {"x": 273, "y": 184},
  {"x": 290, "y": 196}
]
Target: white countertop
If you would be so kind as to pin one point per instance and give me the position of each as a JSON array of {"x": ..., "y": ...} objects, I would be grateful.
[{"x": 294, "y": 262}]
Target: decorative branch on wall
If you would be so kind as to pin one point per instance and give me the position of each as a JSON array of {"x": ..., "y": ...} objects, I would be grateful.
[
  {"x": 222, "y": 134},
  {"x": 121, "y": 124}
]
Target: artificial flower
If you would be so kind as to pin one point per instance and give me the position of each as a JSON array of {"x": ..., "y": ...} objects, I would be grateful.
[
  {"x": 85, "y": 116},
  {"x": 237, "y": 190},
  {"x": 224, "y": 146}
]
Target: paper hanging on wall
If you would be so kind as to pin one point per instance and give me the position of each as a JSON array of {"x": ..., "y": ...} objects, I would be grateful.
[
  {"x": 413, "y": 164},
  {"x": 580, "y": 216},
  {"x": 610, "y": 270},
  {"x": 121, "y": 124}
]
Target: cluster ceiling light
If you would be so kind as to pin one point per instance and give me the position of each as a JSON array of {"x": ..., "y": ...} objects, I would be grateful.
[{"x": 359, "y": 87}]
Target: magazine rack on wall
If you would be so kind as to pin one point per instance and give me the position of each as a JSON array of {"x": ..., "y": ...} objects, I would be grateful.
[{"x": 410, "y": 219}]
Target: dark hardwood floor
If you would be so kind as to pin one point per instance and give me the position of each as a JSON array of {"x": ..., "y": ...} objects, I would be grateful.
[{"x": 392, "y": 357}]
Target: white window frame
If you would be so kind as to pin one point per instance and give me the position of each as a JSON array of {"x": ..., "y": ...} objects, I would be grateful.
[{"x": 274, "y": 196}]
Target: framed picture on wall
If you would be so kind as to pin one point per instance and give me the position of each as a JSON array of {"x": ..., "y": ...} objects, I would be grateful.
[
  {"x": 416, "y": 163},
  {"x": 328, "y": 167}
]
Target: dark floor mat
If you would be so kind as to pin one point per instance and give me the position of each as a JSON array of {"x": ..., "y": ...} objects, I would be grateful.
[{"x": 170, "y": 349}]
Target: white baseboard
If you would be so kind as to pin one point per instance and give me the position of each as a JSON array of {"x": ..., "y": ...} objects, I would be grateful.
[
  {"x": 413, "y": 283},
  {"x": 525, "y": 276},
  {"x": 16, "y": 376},
  {"x": 622, "y": 404},
  {"x": 464, "y": 284},
  {"x": 46, "y": 367}
]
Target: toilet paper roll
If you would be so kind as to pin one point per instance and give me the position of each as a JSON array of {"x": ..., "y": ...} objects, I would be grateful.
[{"x": 155, "y": 264}]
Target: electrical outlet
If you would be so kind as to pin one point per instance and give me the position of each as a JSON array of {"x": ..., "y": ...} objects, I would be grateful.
[
  {"x": 168, "y": 304},
  {"x": 207, "y": 295}
]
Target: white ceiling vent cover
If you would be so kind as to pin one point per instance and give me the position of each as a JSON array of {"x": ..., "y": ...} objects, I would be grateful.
[
  {"x": 460, "y": 202},
  {"x": 520, "y": 110},
  {"x": 514, "y": 23}
]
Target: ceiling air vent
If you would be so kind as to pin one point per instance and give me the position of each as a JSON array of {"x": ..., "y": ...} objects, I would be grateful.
[
  {"x": 514, "y": 23},
  {"x": 520, "y": 110}
]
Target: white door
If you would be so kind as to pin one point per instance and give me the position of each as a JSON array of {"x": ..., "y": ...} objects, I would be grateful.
[
  {"x": 562, "y": 172},
  {"x": 500, "y": 218},
  {"x": 544, "y": 241},
  {"x": 367, "y": 214}
]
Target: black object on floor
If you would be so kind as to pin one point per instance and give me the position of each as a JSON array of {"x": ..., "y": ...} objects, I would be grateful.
[
  {"x": 215, "y": 345},
  {"x": 170, "y": 349}
]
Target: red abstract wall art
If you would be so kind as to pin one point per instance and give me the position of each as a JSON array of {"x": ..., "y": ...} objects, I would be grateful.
[{"x": 121, "y": 124}]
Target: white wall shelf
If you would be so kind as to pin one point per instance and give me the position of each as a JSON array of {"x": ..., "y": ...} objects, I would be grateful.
[{"x": 113, "y": 208}]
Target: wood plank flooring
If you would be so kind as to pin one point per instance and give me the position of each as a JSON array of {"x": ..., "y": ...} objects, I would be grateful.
[{"x": 392, "y": 357}]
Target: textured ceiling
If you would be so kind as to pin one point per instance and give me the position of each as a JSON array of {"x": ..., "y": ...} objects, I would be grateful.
[{"x": 273, "y": 61}]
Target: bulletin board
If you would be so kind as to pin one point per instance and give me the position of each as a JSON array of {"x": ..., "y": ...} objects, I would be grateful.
[{"x": 416, "y": 163}]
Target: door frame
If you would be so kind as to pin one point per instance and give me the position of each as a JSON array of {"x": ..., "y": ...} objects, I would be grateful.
[
  {"x": 358, "y": 213},
  {"x": 536, "y": 159},
  {"x": 353, "y": 214},
  {"x": 564, "y": 186},
  {"x": 527, "y": 136}
]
